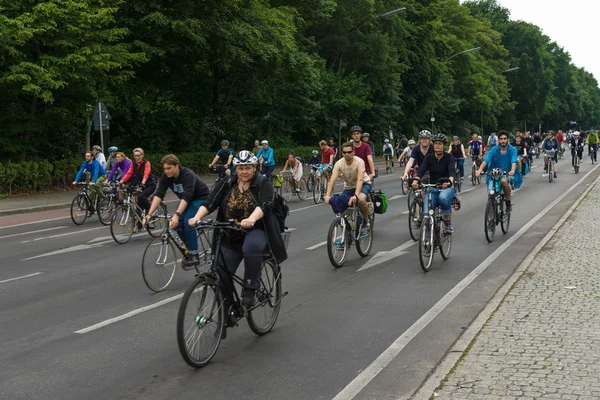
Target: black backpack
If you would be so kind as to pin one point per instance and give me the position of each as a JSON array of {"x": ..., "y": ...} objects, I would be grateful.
[{"x": 280, "y": 208}]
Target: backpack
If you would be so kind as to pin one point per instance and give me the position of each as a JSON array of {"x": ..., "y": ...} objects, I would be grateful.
[
  {"x": 280, "y": 208},
  {"x": 379, "y": 202}
]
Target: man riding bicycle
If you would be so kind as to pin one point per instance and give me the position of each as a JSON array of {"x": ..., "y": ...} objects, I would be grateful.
[
  {"x": 592, "y": 141},
  {"x": 476, "y": 148},
  {"x": 327, "y": 159},
  {"x": 363, "y": 151},
  {"x": 550, "y": 143},
  {"x": 576, "y": 145},
  {"x": 419, "y": 152},
  {"x": 388, "y": 151},
  {"x": 357, "y": 184},
  {"x": 505, "y": 157},
  {"x": 225, "y": 154},
  {"x": 98, "y": 175},
  {"x": 406, "y": 152},
  {"x": 440, "y": 165}
]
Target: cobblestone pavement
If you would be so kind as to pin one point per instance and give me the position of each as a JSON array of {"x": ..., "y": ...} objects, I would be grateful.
[{"x": 543, "y": 342}]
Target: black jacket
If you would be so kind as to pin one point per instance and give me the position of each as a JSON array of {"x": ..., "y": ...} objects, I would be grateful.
[{"x": 262, "y": 192}]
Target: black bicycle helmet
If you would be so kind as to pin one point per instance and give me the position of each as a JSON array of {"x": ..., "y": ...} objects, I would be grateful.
[
  {"x": 439, "y": 137},
  {"x": 356, "y": 128}
]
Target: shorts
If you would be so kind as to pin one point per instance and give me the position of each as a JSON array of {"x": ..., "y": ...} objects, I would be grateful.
[
  {"x": 366, "y": 189},
  {"x": 329, "y": 168}
]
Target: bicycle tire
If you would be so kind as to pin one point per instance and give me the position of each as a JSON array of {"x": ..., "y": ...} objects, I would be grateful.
[
  {"x": 105, "y": 209},
  {"x": 550, "y": 174},
  {"x": 122, "y": 219},
  {"x": 337, "y": 238},
  {"x": 317, "y": 196},
  {"x": 426, "y": 244},
  {"x": 286, "y": 190},
  {"x": 158, "y": 270},
  {"x": 414, "y": 225},
  {"x": 445, "y": 241},
  {"x": 189, "y": 322},
  {"x": 303, "y": 189},
  {"x": 504, "y": 219},
  {"x": 269, "y": 299},
  {"x": 159, "y": 221},
  {"x": 473, "y": 175},
  {"x": 310, "y": 184},
  {"x": 79, "y": 209},
  {"x": 363, "y": 252},
  {"x": 489, "y": 222},
  {"x": 404, "y": 184}
]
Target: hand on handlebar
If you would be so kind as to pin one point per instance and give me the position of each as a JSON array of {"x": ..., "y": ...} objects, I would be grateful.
[
  {"x": 193, "y": 221},
  {"x": 446, "y": 185}
]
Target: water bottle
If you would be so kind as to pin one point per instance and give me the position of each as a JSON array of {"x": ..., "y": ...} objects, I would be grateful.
[{"x": 181, "y": 244}]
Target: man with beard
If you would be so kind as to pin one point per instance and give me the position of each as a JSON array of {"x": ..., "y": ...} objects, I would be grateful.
[
  {"x": 419, "y": 153},
  {"x": 504, "y": 157}
]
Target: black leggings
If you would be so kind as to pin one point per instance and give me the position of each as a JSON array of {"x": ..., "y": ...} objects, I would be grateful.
[
  {"x": 579, "y": 154},
  {"x": 250, "y": 249},
  {"x": 143, "y": 201}
]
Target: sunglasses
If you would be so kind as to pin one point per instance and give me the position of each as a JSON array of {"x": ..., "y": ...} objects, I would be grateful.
[{"x": 347, "y": 152}]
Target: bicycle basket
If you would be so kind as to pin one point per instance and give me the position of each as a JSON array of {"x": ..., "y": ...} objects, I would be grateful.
[
  {"x": 277, "y": 180},
  {"x": 286, "y": 238},
  {"x": 550, "y": 153}
]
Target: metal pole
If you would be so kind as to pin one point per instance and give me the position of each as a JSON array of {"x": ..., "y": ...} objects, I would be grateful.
[
  {"x": 432, "y": 120},
  {"x": 481, "y": 122},
  {"x": 87, "y": 135},
  {"x": 101, "y": 131}
]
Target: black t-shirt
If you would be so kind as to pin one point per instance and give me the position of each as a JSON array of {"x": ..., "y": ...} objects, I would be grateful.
[
  {"x": 186, "y": 186},
  {"x": 418, "y": 155},
  {"x": 456, "y": 150},
  {"x": 520, "y": 147},
  {"x": 442, "y": 168}
]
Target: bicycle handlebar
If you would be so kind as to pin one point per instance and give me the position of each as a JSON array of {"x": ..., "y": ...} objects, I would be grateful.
[
  {"x": 231, "y": 224},
  {"x": 439, "y": 182}
]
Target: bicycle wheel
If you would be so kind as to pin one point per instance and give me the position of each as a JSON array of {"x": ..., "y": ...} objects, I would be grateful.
[
  {"x": 159, "y": 264},
  {"x": 426, "y": 247},
  {"x": 337, "y": 243},
  {"x": 286, "y": 190},
  {"x": 317, "y": 196},
  {"x": 105, "y": 209},
  {"x": 79, "y": 209},
  {"x": 363, "y": 243},
  {"x": 550, "y": 174},
  {"x": 262, "y": 317},
  {"x": 445, "y": 240},
  {"x": 159, "y": 222},
  {"x": 303, "y": 189},
  {"x": 414, "y": 220},
  {"x": 404, "y": 184},
  {"x": 489, "y": 225},
  {"x": 504, "y": 218},
  {"x": 122, "y": 224},
  {"x": 473, "y": 175},
  {"x": 200, "y": 322},
  {"x": 310, "y": 184},
  {"x": 410, "y": 196}
]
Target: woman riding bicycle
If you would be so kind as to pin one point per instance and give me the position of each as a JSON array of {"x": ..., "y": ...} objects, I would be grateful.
[
  {"x": 294, "y": 166},
  {"x": 440, "y": 165},
  {"x": 458, "y": 152},
  {"x": 246, "y": 198}
]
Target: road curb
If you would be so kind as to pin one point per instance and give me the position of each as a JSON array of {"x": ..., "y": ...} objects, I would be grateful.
[
  {"x": 28, "y": 210},
  {"x": 451, "y": 360}
]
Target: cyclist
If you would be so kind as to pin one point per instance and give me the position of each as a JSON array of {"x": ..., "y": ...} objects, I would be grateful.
[
  {"x": 476, "y": 148},
  {"x": 419, "y": 152},
  {"x": 246, "y": 198},
  {"x": 576, "y": 145},
  {"x": 315, "y": 159},
  {"x": 294, "y": 165},
  {"x": 122, "y": 165},
  {"x": 191, "y": 191},
  {"x": 458, "y": 152},
  {"x": 98, "y": 175},
  {"x": 592, "y": 141},
  {"x": 521, "y": 147},
  {"x": 334, "y": 147},
  {"x": 403, "y": 142},
  {"x": 492, "y": 140},
  {"x": 140, "y": 174},
  {"x": 407, "y": 151},
  {"x": 357, "y": 184},
  {"x": 225, "y": 154},
  {"x": 363, "y": 151},
  {"x": 257, "y": 147},
  {"x": 561, "y": 139},
  {"x": 112, "y": 158},
  {"x": 503, "y": 156},
  {"x": 550, "y": 143},
  {"x": 365, "y": 138},
  {"x": 327, "y": 159},
  {"x": 98, "y": 155},
  {"x": 439, "y": 164},
  {"x": 530, "y": 146},
  {"x": 388, "y": 151},
  {"x": 267, "y": 155}
]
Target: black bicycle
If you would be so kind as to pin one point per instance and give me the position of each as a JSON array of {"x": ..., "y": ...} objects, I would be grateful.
[
  {"x": 415, "y": 216},
  {"x": 594, "y": 152},
  {"x": 389, "y": 163},
  {"x": 495, "y": 210},
  {"x": 457, "y": 177},
  {"x": 212, "y": 303},
  {"x": 82, "y": 206},
  {"x": 474, "y": 178},
  {"x": 109, "y": 203},
  {"x": 433, "y": 233}
]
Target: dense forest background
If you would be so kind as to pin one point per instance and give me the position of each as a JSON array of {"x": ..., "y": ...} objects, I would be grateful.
[{"x": 180, "y": 75}]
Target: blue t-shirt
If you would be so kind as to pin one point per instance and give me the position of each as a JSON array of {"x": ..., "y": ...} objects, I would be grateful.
[
  {"x": 493, "y": 140},
  {"x": 495, "y": 159},
  {"x": 475, "y": 146},
  {"x": 268, "y": 156},
  {"x": 551, "y": 144},
  {"x": 94, "y": 168},
  {"x": 224, "y": 156}
]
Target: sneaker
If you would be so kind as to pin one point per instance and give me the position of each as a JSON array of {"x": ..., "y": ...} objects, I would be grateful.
[
  {"x": 364, "y": 229},
  {"x": 449, "y": 228},
  {"x": 555, "y": 175},
  {"x": 191, "y": 260},
  {"x": 249, "y": 298},
  {"x": 509, "y": 205}
]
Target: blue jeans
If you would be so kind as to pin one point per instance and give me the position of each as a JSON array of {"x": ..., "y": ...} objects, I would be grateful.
[
  {"x": 267, "y": 171},
  {"x": 185, "y": 231},
  {"x": 444, "y": 196},
  {"x": 366, "y": 189},
  {"x": 460, "y": 162}
]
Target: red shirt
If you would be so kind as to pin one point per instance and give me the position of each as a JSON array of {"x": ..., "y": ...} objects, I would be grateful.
[
  {"x": 326, "y": 156},
  {"x": 362, "y": 152},
  {"x": 560, "y": 137},
  {"x": 129, "y": 174}
]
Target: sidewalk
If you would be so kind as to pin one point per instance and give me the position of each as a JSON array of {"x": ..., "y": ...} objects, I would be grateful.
[
  {"x": 63, "y": 199},
  {"x": 539, "y": 338}
]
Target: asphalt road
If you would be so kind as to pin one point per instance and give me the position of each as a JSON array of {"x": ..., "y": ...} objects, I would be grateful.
[{"x": 371, "y": 334}]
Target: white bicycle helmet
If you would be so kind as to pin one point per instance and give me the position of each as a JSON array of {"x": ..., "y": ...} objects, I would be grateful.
[
  {"x": 411, "y": 142},
  {"x": 576, "y": 133},
  {"x": 386, "y": 141},
  {"x": 496, "y": 173},
  {"x": 424, "y": 134},
  {"x": 245, "y": 157}
]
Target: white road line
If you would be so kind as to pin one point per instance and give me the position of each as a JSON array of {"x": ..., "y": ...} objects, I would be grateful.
[
  {"x": 306, "y": 208},
  {"x": 129, "y": 314},
  {"x": 63, "y": 234},
  {"x": 21, "y": 277},
  {"x": 405, "y": 212},
  {"x": 398, "y": 196},
  {"x": 65, "y": 250},
  {"x": 369, "y": 373},
  {"x": 316, "y": 246},
  {"x": 30, "y": 232},
  {"x": 99, "y": 239},
  {"x": 466, "y": 191}
]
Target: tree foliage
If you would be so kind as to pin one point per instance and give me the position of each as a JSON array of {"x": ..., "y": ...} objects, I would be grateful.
[{"x": 181, "y": 76}]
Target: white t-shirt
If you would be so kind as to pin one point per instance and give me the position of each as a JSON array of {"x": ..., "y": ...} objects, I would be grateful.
[
  {"x": 408, "y": 151},
  {"x": 350, "y": 172}
]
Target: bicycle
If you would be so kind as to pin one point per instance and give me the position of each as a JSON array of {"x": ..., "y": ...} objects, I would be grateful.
[
  {"x": 320, "y": 188},
  {"x": 406, "y": 189},
  {"x": 433, "y": 233},
  {"x": 576, "y": 160},
  {"x": 346, "y": 229},
  {"x": 389, "y": 164},
  {"x": 212, "y": 303},
  {"x": 160, "y": 258},
  {"x": 289, "y": 187},
  {"x": 495, "y": 209},
  {"x": 109, "y": 203},
  {"x": 474, "y": 178},
  {"x": 127, "y": 218},
  {"x": 457, "y": 177},
  {"x": 220, "y": 171},
  {"x": 82, "y": 203},
  {"x": 415, "y": 215},
  {"x": 310, "y": 183},
  {"x": 594, "y": 152}
]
